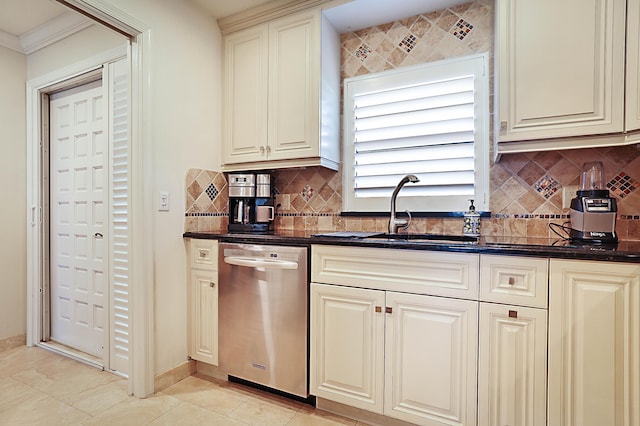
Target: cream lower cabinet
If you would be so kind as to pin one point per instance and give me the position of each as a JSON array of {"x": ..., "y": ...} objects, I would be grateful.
[
  {"x": 347, "y": 345},
  {"x": 412, "y": 357},
  {"x": 430, "y": 359},
  {"x": 202, "y": 297},
  {"x": 403, "y": 355},
  {"x": 594, "y": 343},
  {"x": 512, "y": 368}
]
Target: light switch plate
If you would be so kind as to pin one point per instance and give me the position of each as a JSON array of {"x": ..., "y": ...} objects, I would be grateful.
[
  {"x": 569, "y": 192},
  {"x": 163, "y": 201}
]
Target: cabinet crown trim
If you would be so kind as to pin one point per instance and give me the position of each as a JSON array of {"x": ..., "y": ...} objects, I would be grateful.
[{"x": 265, "y": 13}]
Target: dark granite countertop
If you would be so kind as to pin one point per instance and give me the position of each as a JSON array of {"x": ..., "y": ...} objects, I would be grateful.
[{"x": 623, "y": 251}]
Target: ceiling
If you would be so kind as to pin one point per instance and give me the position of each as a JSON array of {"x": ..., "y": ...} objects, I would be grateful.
[
  {"x": 22, "y": 21},
  {"x": 21, "y": 16}
]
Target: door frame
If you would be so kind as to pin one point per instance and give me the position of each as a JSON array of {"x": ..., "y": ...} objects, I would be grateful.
[{"x": 141, "y": 360}]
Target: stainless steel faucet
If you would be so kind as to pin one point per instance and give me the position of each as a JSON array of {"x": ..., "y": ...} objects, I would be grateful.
[{"x": 394, "y": 222}]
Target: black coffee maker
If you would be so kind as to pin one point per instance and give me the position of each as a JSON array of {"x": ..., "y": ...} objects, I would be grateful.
[{"x": 250, "y": 203}]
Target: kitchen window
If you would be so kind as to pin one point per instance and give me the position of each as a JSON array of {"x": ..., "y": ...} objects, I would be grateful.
[{"x": 430, "y": 120}]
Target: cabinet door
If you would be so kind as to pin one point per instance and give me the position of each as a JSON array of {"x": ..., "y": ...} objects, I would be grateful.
[
  {"x": 203, "y": 316},
  {"x": 632, "y": 118},
  {"x": 245, "y": 96},
  {"x": 294, "y": 67},
  {"x": 512, "y": 376},
  {"x": 431, "y": 359},
  {"x": 594, "y": 343},
  {"x": 347, "y": 344},
  {"x": 560, "y": 68}
]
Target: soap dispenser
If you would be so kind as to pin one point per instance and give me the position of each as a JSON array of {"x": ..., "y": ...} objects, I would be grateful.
[{"x": 471, "y": 222}]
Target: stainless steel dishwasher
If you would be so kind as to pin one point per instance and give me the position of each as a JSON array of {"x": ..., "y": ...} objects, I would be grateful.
[{"x": 263, "y": 315}]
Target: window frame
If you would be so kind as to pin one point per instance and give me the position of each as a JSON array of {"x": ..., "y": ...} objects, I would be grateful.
[{"x": 478, "y": 64}]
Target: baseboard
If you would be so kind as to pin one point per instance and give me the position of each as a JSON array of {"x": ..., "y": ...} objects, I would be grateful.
[
  {"x": 173, "y": 376},
  {"x": 358, "y": 414},
  {"x": 211, "y": 371},
  {"x": 13, "y": 342}
]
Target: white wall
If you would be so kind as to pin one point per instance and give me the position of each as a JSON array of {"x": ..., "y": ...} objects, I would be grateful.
[
  {"x": 75, "y": 48},
  {"x": 185, "y": 67},
  {"x": 13, "y": 175}
]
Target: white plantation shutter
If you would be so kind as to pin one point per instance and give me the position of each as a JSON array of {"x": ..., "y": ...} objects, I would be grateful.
[
  {"x": 120, "y": 192},
  {"x": 430, "y": 121}
]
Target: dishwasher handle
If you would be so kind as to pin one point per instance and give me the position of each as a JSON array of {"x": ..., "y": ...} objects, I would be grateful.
[{"x": 253, "y": 262}]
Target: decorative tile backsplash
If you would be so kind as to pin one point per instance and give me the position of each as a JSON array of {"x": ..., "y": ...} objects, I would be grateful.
[
  {"x": 525, "y": 189},
  {"x": 206, "y": 200}
]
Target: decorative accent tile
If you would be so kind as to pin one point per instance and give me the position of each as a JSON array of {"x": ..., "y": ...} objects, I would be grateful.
[
  {"x": 408, "y": 43},
  {"x": 363, "y": 51},
  {"x": 212, "y": 191},
  {"x": 622, "y": 185},
  {"x": 461, "y": 29},
  {"x": 307, "y": 193},
  {"x": 547, "y": 186}
]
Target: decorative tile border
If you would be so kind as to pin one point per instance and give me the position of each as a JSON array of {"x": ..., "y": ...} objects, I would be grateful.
[{"x": 206, "y": 214}]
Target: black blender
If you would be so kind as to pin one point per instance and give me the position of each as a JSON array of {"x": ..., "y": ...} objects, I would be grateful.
[{"x": 593, "y": 211}]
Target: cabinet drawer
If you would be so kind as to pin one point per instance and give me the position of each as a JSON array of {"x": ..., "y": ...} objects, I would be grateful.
[
  {"x": 204, "y": 254},
  {"x": 514, "y": 280},
  {"x": 411, "y": 271}
]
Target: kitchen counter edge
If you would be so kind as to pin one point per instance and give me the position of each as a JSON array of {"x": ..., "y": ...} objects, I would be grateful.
[{"x": 624, "y": 251}]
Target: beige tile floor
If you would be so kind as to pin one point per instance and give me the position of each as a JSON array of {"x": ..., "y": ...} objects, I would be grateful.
[{"x": 38, "y": 387}]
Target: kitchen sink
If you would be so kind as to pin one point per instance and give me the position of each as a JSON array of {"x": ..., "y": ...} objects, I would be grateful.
[{"x": 427, "y": 238}]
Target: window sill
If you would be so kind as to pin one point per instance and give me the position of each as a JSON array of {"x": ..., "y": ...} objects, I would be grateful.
[{"x": 413, "y": 214}]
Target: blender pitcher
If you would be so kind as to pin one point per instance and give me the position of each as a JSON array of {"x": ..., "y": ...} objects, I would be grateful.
[{"x": 592, "y": 178}]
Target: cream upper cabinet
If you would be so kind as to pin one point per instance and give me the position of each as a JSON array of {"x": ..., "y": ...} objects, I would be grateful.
[
  {"x": 245, "y": 95},
  {"x": 594, "y": 343},
  {"x": 560, "y": 68},
  {"x": 281, "y": 94},
  {"x": 632, "y": 116}
]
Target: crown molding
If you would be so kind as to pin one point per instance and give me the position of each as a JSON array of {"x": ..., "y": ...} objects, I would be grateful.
[
  {"x": 264, "y": 13},
  {"x": 10, "y": 41},
  {"x": 52, "y": 31},
  {"x": 46, "y": 34}
]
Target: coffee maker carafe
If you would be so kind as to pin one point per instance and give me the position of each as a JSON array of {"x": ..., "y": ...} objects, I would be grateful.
[{"x": 247, "y": 202}]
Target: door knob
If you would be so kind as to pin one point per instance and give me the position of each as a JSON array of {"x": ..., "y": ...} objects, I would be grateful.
[{"x": 97, "y": 235}]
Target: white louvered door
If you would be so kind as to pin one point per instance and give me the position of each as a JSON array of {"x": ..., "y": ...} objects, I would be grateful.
[
  {"x": 79, "y": 214},
  {"x": 119, "y": 126}
]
